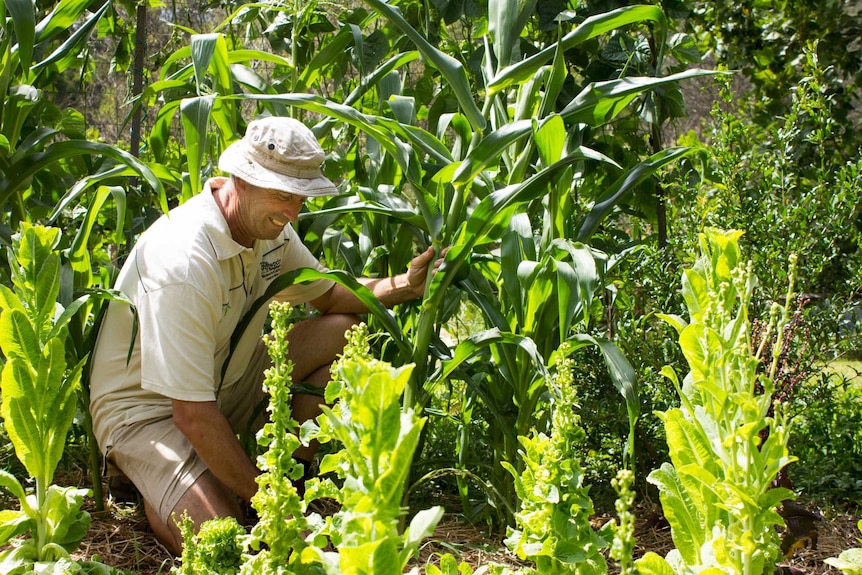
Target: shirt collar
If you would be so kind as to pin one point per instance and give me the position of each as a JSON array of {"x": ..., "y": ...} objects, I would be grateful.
[{"x": 216, "y": 225}]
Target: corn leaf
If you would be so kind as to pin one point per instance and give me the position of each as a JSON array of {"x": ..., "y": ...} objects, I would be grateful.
[
  {"x": 23, "y": 13},
  {"x": 196, "y": 115},
  {"x": 451, "y": 69}
]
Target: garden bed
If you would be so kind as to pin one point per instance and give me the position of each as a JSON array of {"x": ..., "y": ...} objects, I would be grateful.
[{"x": 120, "y": 537}]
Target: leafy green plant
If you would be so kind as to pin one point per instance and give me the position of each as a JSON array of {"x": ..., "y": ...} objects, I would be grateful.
[
  {"x": 377, "y": 442},
  {"x": 554, "y": 527},
  {"x": 848, "y": 561},
  {"x": 277, "y": 535},
  {"x": 725, "y": 448},
  {"x": 826, "y": 435},
  {"x": 216, "y": 548},
  {"x": 39, "y": 403}
]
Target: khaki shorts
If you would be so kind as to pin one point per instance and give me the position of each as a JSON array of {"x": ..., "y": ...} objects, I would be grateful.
[{"x": 158, "y": 459}]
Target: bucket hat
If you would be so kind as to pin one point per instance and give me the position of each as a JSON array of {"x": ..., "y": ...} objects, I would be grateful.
[{"x": 279, "y": 153}]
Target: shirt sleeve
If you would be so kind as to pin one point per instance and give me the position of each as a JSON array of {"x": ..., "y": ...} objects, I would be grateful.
[{"x": 178, "y": 324}]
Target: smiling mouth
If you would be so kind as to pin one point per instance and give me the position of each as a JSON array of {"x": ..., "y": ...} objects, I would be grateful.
[{"x": 278, "y": 222}]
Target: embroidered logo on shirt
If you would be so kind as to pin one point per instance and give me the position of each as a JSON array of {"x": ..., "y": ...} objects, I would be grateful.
[
  {"x": 269, "y": 270},
  {"x": 225, "y": 307}
]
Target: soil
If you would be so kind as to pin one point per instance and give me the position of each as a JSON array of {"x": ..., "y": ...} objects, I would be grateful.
[{"x": 120, "y": 537}]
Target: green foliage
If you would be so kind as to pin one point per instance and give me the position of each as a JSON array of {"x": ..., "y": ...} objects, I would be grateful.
[
  {"x": 377, "y": 443},
  {"x": 553, "y": 520},
  {"x": 848, "y": 561},
  {"x": 39, "y": 402},
  {"x": 788, "y": 186},
  {"x": 725, "y": 447},
  {"x": 826, "y": 435},
  {"x": 216, "y": 548},
  {"x": 278, "y": 534},
  {"x": 764, "y": 41},
  {"x": 41, "y": 146}
]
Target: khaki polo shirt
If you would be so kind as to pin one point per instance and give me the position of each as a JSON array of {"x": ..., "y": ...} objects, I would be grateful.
[{"x": 191, "y": 284}]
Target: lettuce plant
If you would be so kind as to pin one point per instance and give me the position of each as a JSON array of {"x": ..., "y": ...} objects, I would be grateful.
[
  {"x": 554, "y": 527},
  {"x": 377, "y": 441},
  {"x": 278, "y": 534},
  {"x": 725, "y": 448},
  {"x": 39, "y": 403},
  {"x": 848, "y": 561}
]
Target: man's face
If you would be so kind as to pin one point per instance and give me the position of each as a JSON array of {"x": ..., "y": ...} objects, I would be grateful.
[{"x": 266, "y": 212}]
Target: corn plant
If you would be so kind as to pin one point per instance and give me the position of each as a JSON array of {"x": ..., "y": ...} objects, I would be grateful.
[
  {"x": 39, "y": 402},
  {"x": 30, "y": 149},
  {"x": 717, "y": 492},
  {"x": 511, "y": 149}
]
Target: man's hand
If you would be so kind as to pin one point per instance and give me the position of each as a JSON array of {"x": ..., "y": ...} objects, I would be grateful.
[{"x": 417, "y": 273}]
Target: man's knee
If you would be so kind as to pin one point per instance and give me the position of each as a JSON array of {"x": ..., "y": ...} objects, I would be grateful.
[{"x": 336, "y": 324}]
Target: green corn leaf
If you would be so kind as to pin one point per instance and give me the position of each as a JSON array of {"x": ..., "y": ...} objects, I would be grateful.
[
  {"x": 478, "y": 343},
  {"x": 599, "y": 102},
  {"x": 623, "y": 186},
  {"x": 335, "y": 48},
  {"x": 81, "y": 186},
  {"x": 32, "y": 162},
  {"x": 287, "y": 279},
  {"x": 553, "y": 84},
  {"x": 79, "y": 252},
  {"x": 23, "y": 13},
  {"x": 489, "y": 149},
  {"x": 590, "y": 28},
  {"x": 203, "y": 47},
  {"x": 623, "y": 377},
  {"x": 66, "y": 55},
  {"x": 550, "y": 139},
  {"x": 63, "y": 16},
  {"x": 196, "y": 114},
  {"x": 451, "y": 69},
  {"x": 486, "y": 215},
  {"x": 503, "y": 29}
]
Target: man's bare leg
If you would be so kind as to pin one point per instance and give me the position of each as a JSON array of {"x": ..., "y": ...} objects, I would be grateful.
[
  {"x": 313, "y": 345},
  {"x": 206, "y": 499}
]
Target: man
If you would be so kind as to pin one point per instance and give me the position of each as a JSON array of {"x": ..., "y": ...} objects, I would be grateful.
[{"x": 162, "y": 413}]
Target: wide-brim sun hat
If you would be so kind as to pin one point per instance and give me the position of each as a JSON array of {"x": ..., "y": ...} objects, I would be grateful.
[{"x": 279, "y": 153}]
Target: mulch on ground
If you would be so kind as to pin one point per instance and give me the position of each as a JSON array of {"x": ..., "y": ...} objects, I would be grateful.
[{"x": 120, "y": 537}]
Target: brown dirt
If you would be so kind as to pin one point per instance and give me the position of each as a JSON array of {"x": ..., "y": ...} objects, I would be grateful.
[{"x": 120, "y": 537}]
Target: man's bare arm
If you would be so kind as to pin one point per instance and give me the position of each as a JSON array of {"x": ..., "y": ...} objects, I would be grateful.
[
  {"x": 210, "y": 434},
  {"x": 390, "y": 290}
]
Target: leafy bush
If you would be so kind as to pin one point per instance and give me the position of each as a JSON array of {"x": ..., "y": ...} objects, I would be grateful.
[{"x": 826, "y": 435}]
